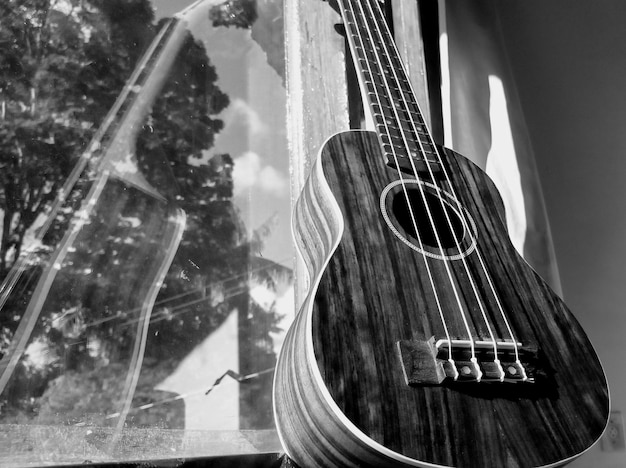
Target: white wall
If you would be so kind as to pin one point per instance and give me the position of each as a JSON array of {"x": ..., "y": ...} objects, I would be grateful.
[{"x": 570, "y": 62}]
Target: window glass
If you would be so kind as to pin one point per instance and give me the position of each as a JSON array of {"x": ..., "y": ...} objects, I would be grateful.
[{"x": 145, "y": 251}]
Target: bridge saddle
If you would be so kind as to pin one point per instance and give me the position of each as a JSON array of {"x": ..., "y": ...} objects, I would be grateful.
[{"x": 433, "y": 361}]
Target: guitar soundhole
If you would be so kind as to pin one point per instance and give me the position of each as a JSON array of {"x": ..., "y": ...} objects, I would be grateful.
[
  {"x": 433, "y": 225},
  {"x": 442, "y": 227}
]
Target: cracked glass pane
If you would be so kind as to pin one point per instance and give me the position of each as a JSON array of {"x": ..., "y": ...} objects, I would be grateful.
[{"x": 145, "y": 253}]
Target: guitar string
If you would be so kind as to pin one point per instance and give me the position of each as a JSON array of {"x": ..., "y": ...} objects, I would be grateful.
[
  {"x": 409, "y": 206},
  {"x": 386, "y": 77},
  {"x": 427, "y": 134},
  {"x": 345, "y": 12},
  {"x": 454, "y": 287},
  {"x": 389, "y": 43}
]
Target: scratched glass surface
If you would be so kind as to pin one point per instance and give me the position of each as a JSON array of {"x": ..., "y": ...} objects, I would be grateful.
[{"x": 145, "y": 259}]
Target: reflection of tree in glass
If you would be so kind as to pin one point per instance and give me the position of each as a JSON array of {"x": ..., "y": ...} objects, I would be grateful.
[
  {"x": 238, "y": 13},
  {"x": 171, "y": 147},
  {"x": 62, "y": 65},
  {"x": 60, "y": 71},
  {"x": 264, "y": 19},
  {"x": 54, "y": 88}
]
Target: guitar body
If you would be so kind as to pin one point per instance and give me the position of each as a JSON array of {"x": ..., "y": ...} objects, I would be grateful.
[{"x": 341, "y": 396}]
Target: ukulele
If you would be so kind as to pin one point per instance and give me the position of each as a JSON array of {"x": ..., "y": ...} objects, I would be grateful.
[{"x": 425, "y": 339}]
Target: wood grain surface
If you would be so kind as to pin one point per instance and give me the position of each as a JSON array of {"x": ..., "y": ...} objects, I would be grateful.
[{"x": 340, "y": 394}]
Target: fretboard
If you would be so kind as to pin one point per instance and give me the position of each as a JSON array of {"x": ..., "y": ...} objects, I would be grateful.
[{"x": 383, "y": 80}]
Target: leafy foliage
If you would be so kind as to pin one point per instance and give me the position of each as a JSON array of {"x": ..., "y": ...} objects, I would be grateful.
[
  {"x": 238, "y": 13},
  {"x": 61, "y": 70}
]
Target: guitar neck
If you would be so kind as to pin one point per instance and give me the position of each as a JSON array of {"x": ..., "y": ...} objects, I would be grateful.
[{"x": 384, "y": 82}]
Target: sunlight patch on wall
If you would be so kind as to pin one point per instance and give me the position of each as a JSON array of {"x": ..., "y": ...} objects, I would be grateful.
[{"x": 502, "y": 164}]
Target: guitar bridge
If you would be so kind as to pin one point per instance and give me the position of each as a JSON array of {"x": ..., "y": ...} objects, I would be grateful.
[{"x": 433, "y": 362}]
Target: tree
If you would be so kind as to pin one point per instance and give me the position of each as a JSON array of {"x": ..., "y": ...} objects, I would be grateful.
[
  {"x": 88, "y": 323},
  {"x": 60, "y": 71},
  {"x": 238, "y": 13},
  {"x": 59, "y": 76}
]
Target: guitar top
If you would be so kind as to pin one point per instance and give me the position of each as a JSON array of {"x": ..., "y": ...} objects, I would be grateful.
[{"x": 425, "y": 340}]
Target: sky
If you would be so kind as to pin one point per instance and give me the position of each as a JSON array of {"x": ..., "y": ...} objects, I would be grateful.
[
  {"x": 254, "y": 128},
  {"x": 169, "y": 7}
]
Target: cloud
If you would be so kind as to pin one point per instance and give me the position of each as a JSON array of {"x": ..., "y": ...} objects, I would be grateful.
[
  {"x": 249, "y": 174},
  {"x": 240, "y": 110}
]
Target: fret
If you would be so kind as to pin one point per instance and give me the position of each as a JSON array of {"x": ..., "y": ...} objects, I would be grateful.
[
  {"x": 404, "y": 133},
  {"x": 396, "y": 114},
  {"x": 385, "y": 129},
  {"x": 406, "y": 123},
  {"x": 404, "y": 146},
  {"x": 404, "y": 120}
]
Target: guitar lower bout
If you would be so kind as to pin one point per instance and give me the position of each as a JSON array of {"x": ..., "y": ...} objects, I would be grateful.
[{"x": 381, "y": 369}]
